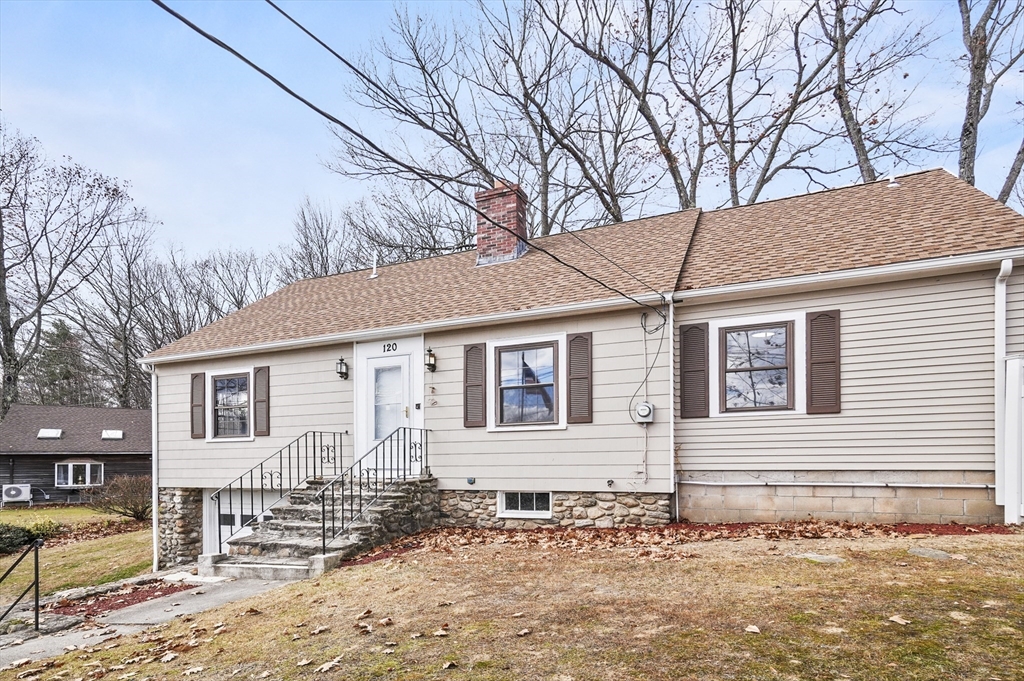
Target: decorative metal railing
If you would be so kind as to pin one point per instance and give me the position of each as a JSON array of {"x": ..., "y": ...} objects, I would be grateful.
[
  {"x": 399, "y": 456},
  {"x": 32, "y": 548},
  {"x": 244, "y": 500}
]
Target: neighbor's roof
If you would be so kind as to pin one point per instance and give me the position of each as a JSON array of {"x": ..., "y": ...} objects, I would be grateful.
[
  {"x": 452, "y": 287},
  {"x": 930, "y": 215},
  {"x": 81, "y": 428}
]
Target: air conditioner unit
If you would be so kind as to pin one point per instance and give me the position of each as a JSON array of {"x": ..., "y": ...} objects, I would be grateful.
[{"x": 16, "y": 493}]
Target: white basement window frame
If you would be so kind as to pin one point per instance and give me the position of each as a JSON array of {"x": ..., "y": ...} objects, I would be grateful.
[
  {"x": 69, "y": 474},
  {"x": 518, "y": 499},
  {"x": 795, "y": 322}
]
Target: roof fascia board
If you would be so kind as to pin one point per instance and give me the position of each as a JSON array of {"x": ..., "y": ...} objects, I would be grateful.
[
  {"x": 859, "y": 276},
  {"x": 413, "y": 329}
]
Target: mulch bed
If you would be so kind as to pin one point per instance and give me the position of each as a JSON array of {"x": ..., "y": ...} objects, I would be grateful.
[
  {"x": 115, "y": 600},
  {"x": 590, "y": 538}
]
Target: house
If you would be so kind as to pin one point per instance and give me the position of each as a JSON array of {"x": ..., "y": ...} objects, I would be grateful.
[
  {"x": 56, "y": 453},
  {"x": 839, "y": 355}
]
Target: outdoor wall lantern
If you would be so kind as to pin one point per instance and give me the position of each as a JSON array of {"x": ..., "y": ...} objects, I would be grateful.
[
  {"x": 430, "y": 360},
  {"x": 342, "y": 368}
]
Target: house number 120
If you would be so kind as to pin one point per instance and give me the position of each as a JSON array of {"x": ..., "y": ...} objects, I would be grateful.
[{"x": 391, "y": 347}]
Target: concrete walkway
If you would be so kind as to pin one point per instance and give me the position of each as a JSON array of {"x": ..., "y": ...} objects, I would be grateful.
[{"x": 209, "y": 592}]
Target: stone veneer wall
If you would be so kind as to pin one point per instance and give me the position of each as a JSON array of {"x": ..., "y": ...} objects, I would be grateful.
[
  {"x": 180, "y": 525},
  {"x": 871, "y": 504},
  {"x": 462, "y": 508}
]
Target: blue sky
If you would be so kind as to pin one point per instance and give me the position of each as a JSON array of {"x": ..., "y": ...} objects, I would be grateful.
[{"x": 212, "y": 150}]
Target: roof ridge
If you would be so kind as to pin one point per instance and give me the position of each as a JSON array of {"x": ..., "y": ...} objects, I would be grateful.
[{"x": 826, "y": 190}]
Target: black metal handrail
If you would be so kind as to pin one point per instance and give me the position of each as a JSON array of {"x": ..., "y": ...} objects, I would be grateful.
[
  {"x": 399, "y": 456},
  {"x": 31, "y": 548},
  {"x": 315, "y": 454}
]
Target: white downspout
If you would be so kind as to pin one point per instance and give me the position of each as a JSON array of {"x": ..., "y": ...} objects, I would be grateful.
[
  {"x": 672, "y": 405},
  {"x": 154, "y": 403},
  {"x": 1005, "y": 268}
]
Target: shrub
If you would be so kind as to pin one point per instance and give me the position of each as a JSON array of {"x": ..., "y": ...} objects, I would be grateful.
[
  {"x": 126, "y": 495},
  {"x": 45, "y": 529},
  {"x": 13, "y": 537}
]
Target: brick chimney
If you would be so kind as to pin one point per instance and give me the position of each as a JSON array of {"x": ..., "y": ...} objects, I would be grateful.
[{"x": 506, "y": 205}]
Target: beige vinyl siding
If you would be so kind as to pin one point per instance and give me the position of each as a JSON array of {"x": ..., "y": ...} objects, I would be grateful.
[
  {"x": 582, "y": 457},
  {"x": 917, "y": 383},
  {"x": 305, "y": 394},
  {"x": 1015, "y": 311}
]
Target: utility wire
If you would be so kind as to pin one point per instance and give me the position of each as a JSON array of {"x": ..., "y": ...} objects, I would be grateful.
[
  {"x": 370, "y": 143},
  {"x": 372, "y": 83}
]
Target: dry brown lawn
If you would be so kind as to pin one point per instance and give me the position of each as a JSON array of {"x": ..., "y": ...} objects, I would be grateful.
[{"x": 513, "y": 611}]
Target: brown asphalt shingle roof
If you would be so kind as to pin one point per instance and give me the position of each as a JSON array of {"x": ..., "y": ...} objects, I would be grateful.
[
  {"x": 82, "y": 428},
  {"x": 452, "y": 287},
  {"x": 931, "y": 214}
]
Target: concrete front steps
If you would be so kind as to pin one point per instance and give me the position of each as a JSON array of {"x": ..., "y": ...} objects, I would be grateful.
[{"x": 289, "y": 545}]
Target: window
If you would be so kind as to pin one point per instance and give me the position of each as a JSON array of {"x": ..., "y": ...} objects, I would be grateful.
[
  {"x": 231, "y": 405},
  {"x": 525, "y": 505},
  {"x": 79, "y": 474},
  {"x": 526, "y": 384},
  {"x": 756, "y": 367}
]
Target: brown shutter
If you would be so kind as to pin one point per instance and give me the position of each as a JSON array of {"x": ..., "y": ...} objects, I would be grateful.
[
  {"x": 198, "y": 410},
  {"x": 823, "y": 394},
  {"x": 261, "y": 401},
  {"x": 474, "y": 386},
  {"x": 693, "y": 371},
  {"x": 581, "y": 398}
]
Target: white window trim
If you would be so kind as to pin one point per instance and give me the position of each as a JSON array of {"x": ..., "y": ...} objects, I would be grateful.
[
  {"x": 71, "y": 485},
  {"x": 211, "y": 424},
  {"x": 798, "y": 318},
  {"x": 560, "y": 384},
  {"x": 502, "y": 513}
]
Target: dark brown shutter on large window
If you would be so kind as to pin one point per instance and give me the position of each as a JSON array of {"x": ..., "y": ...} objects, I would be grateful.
[
  {"x": 198, "y": 409},
  {"x": 693, "y": 371},
  {"x": 581, "y": 398},
  {"x": 474, "y": 386},
  {"x": 261, "y": 401},
  {"x": 823, "y": 394}
]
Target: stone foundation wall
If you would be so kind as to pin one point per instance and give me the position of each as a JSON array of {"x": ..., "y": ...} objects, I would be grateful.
[
  {"x": 180, "y": 525},
  {"x": 466, "y": 508},
  {"x": 876, "y": 503}
]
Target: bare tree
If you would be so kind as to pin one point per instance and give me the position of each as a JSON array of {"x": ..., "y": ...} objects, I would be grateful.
[
  {"x": 179, "y": 300},
  {"x": 109, "y": 309},
  {"x": 993, "y": 33},
  {"x": 51, "y": 216},
  {"x": 239, "y": 277},
  {"x": 871, "y": 84},
  {"x": 323, "y": 245}
]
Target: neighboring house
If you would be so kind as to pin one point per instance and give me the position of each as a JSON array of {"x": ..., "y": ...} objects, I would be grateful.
[
  {"x": 61, "y": 452},
  {"x": 837, "y": 355}
]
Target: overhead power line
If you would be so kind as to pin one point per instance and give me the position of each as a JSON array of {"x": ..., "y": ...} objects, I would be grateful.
[{"x": 372, "y": 145}]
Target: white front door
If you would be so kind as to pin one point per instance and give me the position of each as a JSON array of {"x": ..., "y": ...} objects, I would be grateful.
[{"x": 387, "y": 398}]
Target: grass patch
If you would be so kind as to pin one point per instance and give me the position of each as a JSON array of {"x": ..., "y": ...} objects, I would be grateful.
[
  {"x": 85, "y": 563},
  {"x": 609, "y": 615},
  {"x": 65, "y": 514}
]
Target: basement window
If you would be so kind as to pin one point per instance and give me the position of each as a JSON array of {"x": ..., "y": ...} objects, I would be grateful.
[{"x": 524, "y": 505}]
